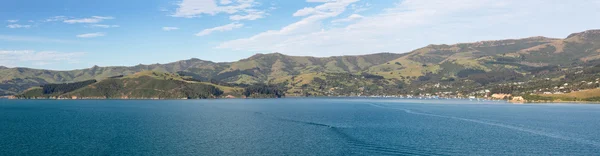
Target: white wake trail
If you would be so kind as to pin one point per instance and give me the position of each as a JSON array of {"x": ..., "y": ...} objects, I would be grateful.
[{"x": 536, "y": 132}]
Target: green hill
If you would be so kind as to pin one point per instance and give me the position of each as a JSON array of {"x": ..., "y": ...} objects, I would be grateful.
[
  {"x": 143, "y": 85},
  {"x": 466, "y": 65}
]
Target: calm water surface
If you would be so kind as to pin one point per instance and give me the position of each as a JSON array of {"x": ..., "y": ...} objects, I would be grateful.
[{"x": 296, "y": 127}]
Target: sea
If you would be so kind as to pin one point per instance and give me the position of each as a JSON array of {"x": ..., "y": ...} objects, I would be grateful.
[{"x": 297, "y": 126}]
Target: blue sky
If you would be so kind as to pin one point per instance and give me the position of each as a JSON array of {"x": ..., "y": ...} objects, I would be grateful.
[{"x": 75, "y": 34}]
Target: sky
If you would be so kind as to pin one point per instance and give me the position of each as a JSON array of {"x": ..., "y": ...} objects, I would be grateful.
[{"x": 76, "y": 34}]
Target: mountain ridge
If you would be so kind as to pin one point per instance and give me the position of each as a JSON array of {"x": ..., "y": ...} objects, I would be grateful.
[{"x": 439, "y": 62}]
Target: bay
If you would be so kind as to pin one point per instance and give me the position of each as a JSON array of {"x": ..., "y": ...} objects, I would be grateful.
[{"x": 296, "y": 126}]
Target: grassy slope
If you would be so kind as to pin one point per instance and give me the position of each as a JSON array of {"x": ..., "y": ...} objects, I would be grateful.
[
  {"x": 147, "y": 84},
  {"x": 577, "y": 94},
  {"x": 444, "y": 59}
]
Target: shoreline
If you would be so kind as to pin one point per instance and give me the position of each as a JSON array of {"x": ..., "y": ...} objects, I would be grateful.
[
  {"x": 558, "y": 102},
  {"x": 304, "y": 97}
]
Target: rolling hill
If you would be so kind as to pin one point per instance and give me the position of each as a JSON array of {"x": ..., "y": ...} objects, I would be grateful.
[
  {"x": 468, "y": 65},
  {"x": 142, "y": 85}
]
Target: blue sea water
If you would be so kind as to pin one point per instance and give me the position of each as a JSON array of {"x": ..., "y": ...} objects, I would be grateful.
[{"x": 296, "y": 126}]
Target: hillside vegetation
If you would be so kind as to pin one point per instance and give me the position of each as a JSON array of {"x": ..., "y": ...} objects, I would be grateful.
[{"x": 463, "y": 68}]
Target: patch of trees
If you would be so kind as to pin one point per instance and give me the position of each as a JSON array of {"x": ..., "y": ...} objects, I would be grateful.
[
  {"x": 504, "y": 63},
  {"x": 116, "y": 77},
  {"x": 467, "y": 72},
  {"x": 542, "y": 70},
  {"x": 264, "y": 91},
  {"x": 109, "y": 87},
  {"x": 237, "y": 72},
  {"x": 506, "y": 89},
  {"x": 592, "y": 70},
  {"x": 197, "y": 78},
  {"x": 221, "y": 83},
  {"x": 199, "y": 91},
  {"x": 371, "y": 76},
  {"x": 450, "y": 79},
  {"x": 64, "y": 88},
  {"x": 492, "y": 77},
  {"x": 424, "y": 78},
  {"x": 194, "y": 76},
  {"x": 320, "y": 82}
]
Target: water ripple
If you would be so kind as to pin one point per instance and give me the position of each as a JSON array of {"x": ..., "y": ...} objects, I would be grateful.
[{"x": 521, "y": 129}]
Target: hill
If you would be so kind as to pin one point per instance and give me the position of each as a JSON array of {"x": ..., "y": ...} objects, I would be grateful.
[
  {"x": 464, "y": 68},
  {"x": 142, "y": 85},
  {"x": 257, "y": 69}
]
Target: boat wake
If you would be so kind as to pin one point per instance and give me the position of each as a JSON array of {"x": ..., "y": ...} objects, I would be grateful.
[
  {"x": 516, "y": 128},
  {"x": 356, "y": 145}
]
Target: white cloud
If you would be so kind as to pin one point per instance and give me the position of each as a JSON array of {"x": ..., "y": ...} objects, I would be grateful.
[
  {"x": 32, "y": 39},
  {"x": 91, "y": 35},
  {"x": 225, "y": 2},
  {"x": 12, "y": 21},
  {"x": 169, "y": 28},
  {"x": 351, "y": 18},
  {"x": 250, "y": 15},
  {"x": 223, "y": 28},
  {"x": 93, "y": 19},
  {"x": 103, "y": 17},
  {"x": 25, "y": 57},
  {"x": 274, "y": 40},
  {"x": 410, "y": 24},
  {"x": 243, "y": 9},
  {"x": 320, "y": 1},
  {"x": 360, "y": 8},
  {"x": 15, "y": 26},
  {"x": 104, "y": 26},
  {"x": 195, "y": 8},
  {"x": 56, "y": 18}
]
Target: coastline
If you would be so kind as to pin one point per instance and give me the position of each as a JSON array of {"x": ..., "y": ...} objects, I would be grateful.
[
  {"x": 563, "y": 102},
  {"x": 304, "y": 97}
]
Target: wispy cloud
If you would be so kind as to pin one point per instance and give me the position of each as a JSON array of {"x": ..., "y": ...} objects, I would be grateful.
[
  {"x": 13, "y": 58},
  {"x": 225, "y": 2},
  {"x": 12, "y": 21},
  {"x": 32, "y": 39},
  {"x": 91, "y": 35},
  {"x": 240, "y": 9},
  {"x": 56, "y": 18},
  {"x": 353, "y": 17},
  {"x": 223, "y": 28},
  {"x": 195, "y": 8},
  {"x": 249, "y": 15},
  {"x": 422, "y": 21},
  {"x": 169, "y": 28},
  {"x": 15, "y": 26},
  {"x": 276, "y": 39},
  {"x": 360, "y": 7},
  {"x": 104, "y": 26},
  {"x": 93, "y": 19}
]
